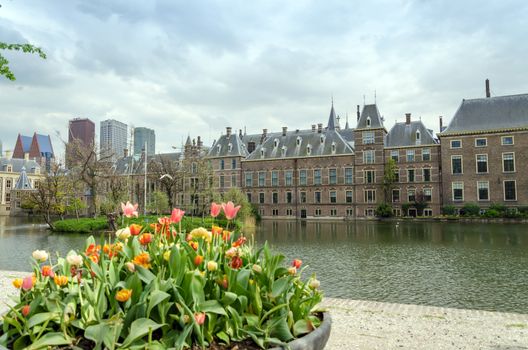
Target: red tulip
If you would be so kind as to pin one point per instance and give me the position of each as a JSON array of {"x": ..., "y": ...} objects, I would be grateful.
[
  {"x": 296, "y": 263},
  {"x": 230, "y": 210},
  {"x": 176, "y": 215},
  {"x": 199, "y": 317},
  {"x": 236, "y": 262},
  {"x": 28, "y": 283},
  {"x": 145, "y": 238},
  {"x": 135, "y": 229},
  {"x": 240, "y": 241},
  {"x": 198, "y": 260},
  {"x": 129, "y": 209},
  {"x": 25, "y": 310},
  {"x": 47, "y": 271},
  {"x": 215, "y": 209}
]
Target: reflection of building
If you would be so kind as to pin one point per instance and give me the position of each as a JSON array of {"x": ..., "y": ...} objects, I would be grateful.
[
  {"x": 142, "y": 136},
  {"x": 81, "y": 131},
  {"x": 113, "y": 138},
  {"x": 16, "y": 174},
  {"x": 38, "y": 148}
]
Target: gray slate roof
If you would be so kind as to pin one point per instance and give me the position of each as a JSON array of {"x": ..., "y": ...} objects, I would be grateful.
[
  {"x": 23, "y": 181},
  {"x": 494, "y": 113},
  {"x": 228, "y": 146},
  {"x": 18, "y": 164},
  {"x": 372, "y": 112},
  {"x": 287, "y": 146},
  {"x": 332, "y": 121},
  {"x": 403, "y": 134},
  {"x": 134, "y": 164}
]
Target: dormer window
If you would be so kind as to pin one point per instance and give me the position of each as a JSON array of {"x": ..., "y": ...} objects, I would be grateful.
[
  {"x": 368, "y": 122},
  {"x": 333, "y": 148},
  {"x": 229, "y": 147},
  {"x": 218, "y": 148},
  {"x": 9, "y": 168},
  {"x": 418, "y": 137},
  {"x": 276, "y": 143},
  {"x": 322, "y": 138},
  {"x": 299, "y": 140},
  {"x": 262, "y": 152},
  {"x": 309, "y": 149},
  {"x": 283, "y": 151}
]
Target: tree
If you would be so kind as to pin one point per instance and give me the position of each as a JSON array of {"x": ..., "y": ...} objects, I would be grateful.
[
  {"x": 159, "y": 203},
  {"x": 168, "y": 175},
  {"x": 383, "y": 210},
  {"x": 420, "y": 203},
  {"x": 238, "y": 197},
  {"x": 389, "y": 178}
]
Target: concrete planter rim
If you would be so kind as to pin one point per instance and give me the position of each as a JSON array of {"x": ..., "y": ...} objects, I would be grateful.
[{"x": 315, "y": 340}]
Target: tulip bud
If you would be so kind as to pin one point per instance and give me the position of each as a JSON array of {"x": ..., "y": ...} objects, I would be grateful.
[
  {"x": 314, "y": 283},
  {"x": 40, "y": 255},
  {"x": 198, "y": 260},
  {"x": 199, "y": 317},
  {"x": 130, "y": 266},
  {"x": 186, "y": 319},
  {"x": 292, "y": 270},
  {"x": 25, "y": 310},
  {"x": 167, "y": 255},
  {"x": 257, "y": 268},
  {"x": 212, "y": 265},
  {"x": 123, "y": 233}
]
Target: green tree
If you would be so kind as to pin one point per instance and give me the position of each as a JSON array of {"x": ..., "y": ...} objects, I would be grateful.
[
  {"x": 389, "y": 178},
  {"x": 159, "y": 202},
  {"x": 383, "y": 210},
  {"x": 238, "y": 197}
]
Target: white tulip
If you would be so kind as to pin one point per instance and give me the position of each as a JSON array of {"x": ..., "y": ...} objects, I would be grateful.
[
  {"x": 123, "y": 233},
  {"x": 40, "y": 255},
  {"x": 74, "y": 259}
]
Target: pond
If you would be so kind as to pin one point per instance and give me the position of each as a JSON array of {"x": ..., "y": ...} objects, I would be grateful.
[{"x": 463, "y": 265}]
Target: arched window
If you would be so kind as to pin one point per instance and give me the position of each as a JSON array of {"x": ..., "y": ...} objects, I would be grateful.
[
  {"x": 299, "y": 140},
  {"x": 218, "y": 148},
  {"x": 309, "y": 149},
  {"x": 322, "y": 138},
  {"x": 262, "y": 152},
  {"x": 283, "y": 151},
  {"x": 333, "y": 148},
  {"x": 368, "y": 122},
  {"x": 229, "y": 147},
  {"x": 276, "y": 143},
  {"x": 417, "y": 135}
]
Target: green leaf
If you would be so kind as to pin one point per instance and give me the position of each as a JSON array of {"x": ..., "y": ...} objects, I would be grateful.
[
  {"x": 229, "y": 298},
  {"x": 279, "y": 329},
  {"x": 156, "y": 297},
  {"x": 144, "y": 274},
  {"x": 302, "y": 327},
  {"x": 140, "y": 328},
  {"x": 279, "y": 286},
  {"x": 50, "y": 339},
  {"x": 223, "y": 337},
  {"x": 41, "y": 318},
  {"x": 212, "y": 306}
]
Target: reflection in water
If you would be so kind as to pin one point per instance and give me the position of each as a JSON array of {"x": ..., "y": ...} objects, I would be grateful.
[{"x": 477, "y": 266}]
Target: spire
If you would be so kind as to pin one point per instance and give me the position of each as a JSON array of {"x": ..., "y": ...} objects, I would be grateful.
[
  {"x": 23, "y": 181},
  {"x": 332, "y": 122},
  {"x": 188, "y": 142},
  {"x": 346, "y": 125}
]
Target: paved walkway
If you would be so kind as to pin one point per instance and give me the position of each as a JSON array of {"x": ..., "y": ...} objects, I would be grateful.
[{"x": 359, "y": 324}]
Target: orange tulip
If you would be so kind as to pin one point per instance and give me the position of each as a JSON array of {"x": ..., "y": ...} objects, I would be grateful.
[
  {"x": 60, "y": 280},
  {"x": 47, "y": 271},
  {"x": 142, "y": 259},
  {"x": 123, "y": 295},
  {"x": 17, "y": 283},
  {"x": 145, "y": 238},
  {"x": 198, "y": 260},
  {"x": 226, "y": 235},
  {"x": 194, "y": 245},
  {"x": 296, "y": 263},
  {"x": 25, "y": 310},
  {"x": 216, "y": 230},
  {"x": 135, "y": 229},
  {"x": 240, "y": 241}
]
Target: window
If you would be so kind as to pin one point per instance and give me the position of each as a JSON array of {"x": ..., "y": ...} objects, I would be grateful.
[
  {"x": 410, "y": 155},
  {"x": 369, "y": 212},
  {"x": 229, "y": 147},
  {"x": 482, "y": 163},
  {"x": 317, "y": 197},
  {"x": 428, "y": 194},
  {"x": 348, "y": 196},
  {"x": 233, "y": 163},
  {"x": 288, "y": 197},
  {"x": 251, "y": 146},
  {"x": 220, "y": 180},
  {"x": 8, "y": 197},
  {"x": 428, "y": 212},
  {"x": 194, "y": 168},
  {"x": 317, "y": 212},
  {"x": 348, "y": 176},
  {"x": 333, "y": 212},
  {"x": 456, "y": 144},
  {"x": 395, "y": 195},
  {"x": 458, "y": 191},
  {"x": 262, "y": 178},
  {"x": 368, "y": 122},
  {"x": 222, "y": 164},
  {"x": 456, "y": 164},
  {"x": 369, "y": 176},
  {"x": 261, "y": 198},
  {"x": 481, "y": 142},
  {"x": 274, "y": 178},
  {"x": 368, "y": 137},
  {"x": 333, "y": 176},
  {"x": 411, "y": 194},
  {"x": 396, "y": 175},
  {"x": 350, "y": 212},
  {"x": 276, "y": 143},
  {"x": 368, "y": 157},
  {"x": 288, "y": 177},
  {"x": 410, "y": 175},
  {"x": 483, "y": 190},
  {"x": 289, "y": 212},
  {"x": 283, "y": 151},
  {"x": 333, "y": 147},
  {"x": 510, "y": 193},
  {"x": 249, "y": 179},
  {"x": 333, "y": 197},
  {"x": 418, "y": 139},
  {"x": 8, "y": 183},
  {"x": 370, "y": 196},
  {"x": 426, "y": 174},
  {"x": 9, "y": 168},
  {"x": 298, "y": 140},
  {"x": 308, "y": 149},
  {"x": 426, "y": 154},
  {"x": 508, "y": 162},
  {"x": 395, "y": 156},
  {"x": 275, "y": 212},
  {"x": 507, "y": 140},
  {"x": 302, "y": 177},
  {"x": 233, "y": 180},
  {"x": 275, "y": 198},
  {"x": 248, "y": 195},
  {"x": 303, "y": 197},
  {"x": 317, "y": 176}
]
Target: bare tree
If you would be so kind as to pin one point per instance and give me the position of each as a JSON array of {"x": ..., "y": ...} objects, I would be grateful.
[{"x": 168, "y": 174}]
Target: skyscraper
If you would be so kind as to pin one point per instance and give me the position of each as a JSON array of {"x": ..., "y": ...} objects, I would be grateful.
[
  {"x": 82, "y": 132},
  {"x": 142, "y": 135},
  {"x": 113, "y": 138}
]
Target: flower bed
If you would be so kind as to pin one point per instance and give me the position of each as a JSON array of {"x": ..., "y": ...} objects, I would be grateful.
[{"x": 163, "y": 289}]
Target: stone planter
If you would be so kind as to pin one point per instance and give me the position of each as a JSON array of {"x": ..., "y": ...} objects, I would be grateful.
[{"x": 315, "y": 340}]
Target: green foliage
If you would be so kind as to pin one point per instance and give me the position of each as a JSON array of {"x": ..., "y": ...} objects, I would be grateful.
[
  {"x": 389, "y": 178},
  {"x": 383, "y": 210},
  {"x": 81, "y": 225},
  {"x": 159, "y": 202},
  {"x": 405, "y": 208},
  {"x": 178, "y": 289},
  {"x": 470, "y": 209},
  {"x": 236, "y": 195},
  {"x": 449, "y": 210},
  {"x": 491, "y": 213},
  {"x": 501, "y": 208},
  {"x": 26, "y": 48}
]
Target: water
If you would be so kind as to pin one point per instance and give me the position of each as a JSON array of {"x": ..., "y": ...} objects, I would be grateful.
[{"x": 474, "y": 266}]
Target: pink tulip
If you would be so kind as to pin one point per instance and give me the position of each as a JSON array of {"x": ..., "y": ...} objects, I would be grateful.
[
  {"x": 230, "y": 210},
  {"x": 199, "y": 317},
  {"x": 177, "y": 215},
  {"x": 215, "y": 209},
  {"x": 27, "y": 283},
  {"x": 129, "y": 210}
]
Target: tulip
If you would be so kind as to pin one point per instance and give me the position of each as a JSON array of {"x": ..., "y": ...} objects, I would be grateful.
[
  {"x": 142, "y": 259},
  {"x": 130, "y": 266},
  {"x": 40, "y": 255},
  {"x": 145, "y": 238},
  {"x": 216, "y": 230},
  {"x": 186, "y": 319},
  {"x": 123, "y": 233},
  {"x": 198, "y": 260},
  {"x": 135, "y": 229},
  {"x": 201, "y": 232},
  {"x": 25, "y": 310},
  {"x": 223, "y": 282},
  {"x": 231, "y": 252},
  {"x": 212, "y": 265},
  {"x": 123, "y": 295},
  {"x": 215, "y": 209},
  {"x": 292, "y": 270},
  {"x": 94, "y": 258},
  {"x": 129, "y": 210},
  {"x": 226, "y": 235},
  {"x": 194, "y": 245},
  {"x": 257, "y": 268},
  {"x": 60, "y": 280},
  {"x": 17, "y": 283},
  {"x": 314, "y": 283},
  {"x": 28, "y": 283},
  {"x": 230, "y": 210},
  {"x": 240, "y": 241},
  {"x": 199, "y": 317},
  {"x": 167, "y": 255},
  {"x": 236, "y": 262},
  {"x": 74, "y": 259},
  {"x": 47, "y": 271},
  {"x": 297, "y": 263},
  {"x": 176, "y": 215}
]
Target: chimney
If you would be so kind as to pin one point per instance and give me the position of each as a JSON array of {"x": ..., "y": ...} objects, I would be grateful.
[
  {"x": 319, "y": 128},
  {"x": 441, "y": 123},
  {"x": 125, "y": 152},
  {"x": 407, "y": 118},
  {"x": 8, "y": 154},
  {"x": 284, "y": 130},
  {"x": 488, "y": 94},
  {"x": 313, "y": 127},
  {"x": 26, "y": 156},
  {"x": 357, "y": 112},
  {"x": 264, "y": 133},
  {"x": 228, "y": 131},
  {"x": 240, "y": 133},
  {"x": 200, "y": 143}
]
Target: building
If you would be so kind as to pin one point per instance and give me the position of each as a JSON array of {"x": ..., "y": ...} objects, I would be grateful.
[
  {"x": 38, "y": 148},
  {"x": 141, "y": 136},
  {"x": 113, "y": 139},
  {"x": 485, "y": 152},
  {"x": 16, "y": 173},
  {"x": 82, "y": 132}
]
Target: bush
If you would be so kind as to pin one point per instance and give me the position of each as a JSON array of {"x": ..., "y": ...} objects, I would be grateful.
[
  {"x": 512, "y": 213},
  {"x": 501, "y": 208},
  {"x": 173, "y": 289},
  {"x": 470, "y": 209},
  {"x": 81, "y": 225},
  {"x": 491, "y": 213},
  {"x": 383, "y": 210},
  {"x": 449, "y": 210},
  {"x": 405, "y": 208}
]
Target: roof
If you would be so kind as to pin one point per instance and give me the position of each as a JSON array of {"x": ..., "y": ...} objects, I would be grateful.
[
  {"x": 44, "y": 143},
  {"x": 228, "y": 146},
  {"x": 23, "y": 181},
  {"x": 26, "y": 143},
  {"x": 332, "y": 122},
  {"x": 488, "y": 114},
  {"x": 134, "y": 164},
  {"x": 296, "y": 144},
  {"x": 403, "y": 134},
  {"x": 370, "y": 112},
  {"x": 17, "y": 164}
]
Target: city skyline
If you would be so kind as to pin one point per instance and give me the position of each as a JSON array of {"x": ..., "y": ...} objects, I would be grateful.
[{"x": 194, "y": 69}]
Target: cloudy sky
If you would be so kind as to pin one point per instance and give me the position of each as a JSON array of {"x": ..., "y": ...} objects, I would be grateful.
[{"x": 194, "y": 67}]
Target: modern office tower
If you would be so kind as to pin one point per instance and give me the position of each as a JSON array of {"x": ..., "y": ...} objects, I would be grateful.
[
  {"x": 113, "y": 138},
  {"x": 82, "y": 132},
  {"x": 142, "y": 135}
]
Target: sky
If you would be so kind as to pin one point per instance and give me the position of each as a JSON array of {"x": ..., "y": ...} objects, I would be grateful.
[{"x": 195, "y": 67}]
